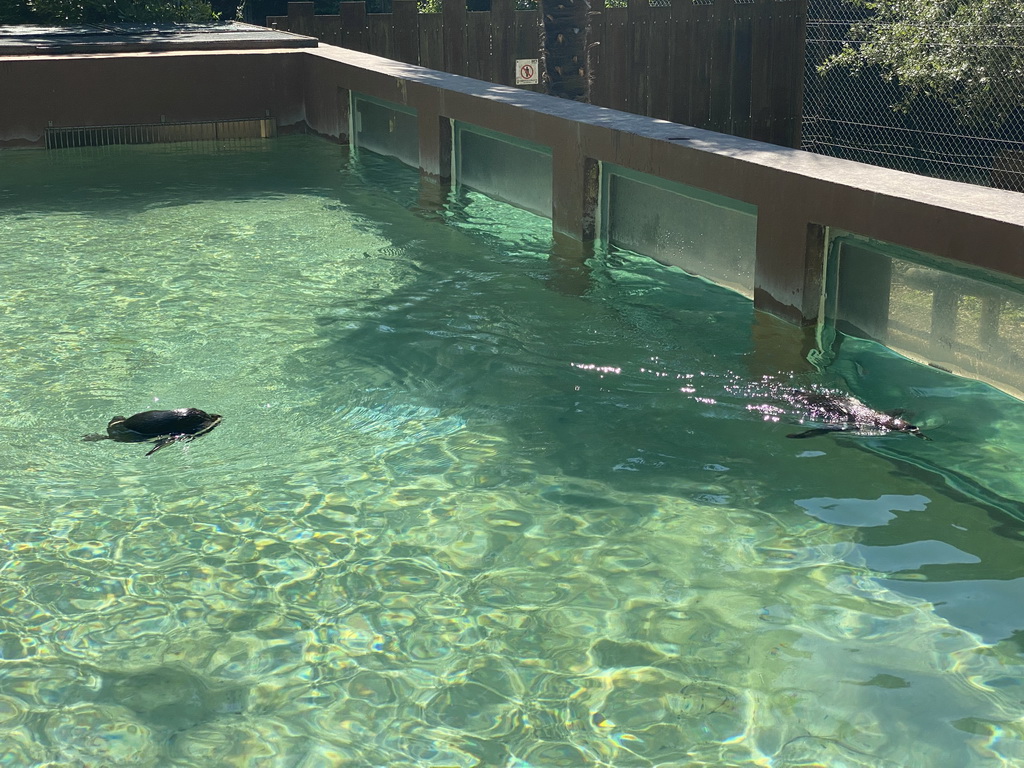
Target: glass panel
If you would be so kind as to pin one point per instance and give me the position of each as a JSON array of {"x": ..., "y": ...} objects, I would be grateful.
[
  {"x": 507, "y": 169},
  {"x": 702, "y": 233},
  {"x": 969, "y": 323},
  {"x": 387, "y": 129}
]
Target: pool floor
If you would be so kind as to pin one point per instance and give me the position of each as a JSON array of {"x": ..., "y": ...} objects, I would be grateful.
[{"x": 468, "y": 506}]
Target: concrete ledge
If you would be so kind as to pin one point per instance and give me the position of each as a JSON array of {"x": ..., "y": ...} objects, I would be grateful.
[{"x": 30, "y": 40}]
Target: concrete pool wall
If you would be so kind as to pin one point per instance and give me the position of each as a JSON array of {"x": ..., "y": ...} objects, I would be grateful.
[{"x": 802, "y": 209}]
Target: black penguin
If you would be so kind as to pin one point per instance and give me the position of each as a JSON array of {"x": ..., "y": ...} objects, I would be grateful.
[
  {"x": 838, "y": 412},
  {"x": 162, "y": 427}
]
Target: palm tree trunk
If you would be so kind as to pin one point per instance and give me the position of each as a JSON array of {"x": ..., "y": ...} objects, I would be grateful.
[{"x": 564, "y": 43}]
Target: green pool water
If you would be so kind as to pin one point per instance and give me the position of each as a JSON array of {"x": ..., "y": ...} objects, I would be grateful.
[{"x": 469, "y": 506}]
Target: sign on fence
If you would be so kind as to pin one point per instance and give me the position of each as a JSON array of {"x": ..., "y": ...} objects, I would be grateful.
[{"x": 527, "y": 71}]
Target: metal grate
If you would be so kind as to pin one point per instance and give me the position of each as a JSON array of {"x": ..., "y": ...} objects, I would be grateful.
[
  {"x": 866, "y": 115},
  {"x": 161, "y": 133}
]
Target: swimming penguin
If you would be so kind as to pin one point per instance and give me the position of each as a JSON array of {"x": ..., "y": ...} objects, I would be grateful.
[
  {"x": 163, "y": 427},
  {"x": 837, "y": 412}
]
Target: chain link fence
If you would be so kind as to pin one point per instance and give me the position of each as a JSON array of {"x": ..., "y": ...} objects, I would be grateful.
[{"x": 860, "y": 114}]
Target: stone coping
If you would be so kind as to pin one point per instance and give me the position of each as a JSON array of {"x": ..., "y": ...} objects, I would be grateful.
[{"x": 28, "y": 39}]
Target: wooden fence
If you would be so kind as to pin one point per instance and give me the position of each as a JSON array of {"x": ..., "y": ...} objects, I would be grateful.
[{"x": 726, "y": 65}]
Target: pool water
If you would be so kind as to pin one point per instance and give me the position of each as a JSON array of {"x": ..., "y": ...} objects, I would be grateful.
[{"x": 469, "y": 505}]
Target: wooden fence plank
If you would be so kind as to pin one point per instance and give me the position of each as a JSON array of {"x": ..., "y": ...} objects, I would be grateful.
[
  {"x": 353, "y": 25},
  {"x": 405, "y": 18},
  {"x": 682, "y": 64},
  {"x": 300, "y": 17},
  {"x": 431, "y": 41},
  {"x": 526, "y": 31},
  {"x": 740, "y": 80},
  {"x": 720, "y": 31},
  {"x": 598, "y": 93},
  {"x": 789, "y": 79},
  {"x": 327, "y": 29},
  {"x": 613, "y": 68},
  {"x": 502, "y": 42},
  {"x": 637, "y": 50},
  {"x": 660, "y": 47},
  {"x": 380, "y": 38},
  {"x": 453, "y": 15},
  {"x": 478, "y": 45},
  {"x": 760, "y": 76},
  {"x": 701, "y": 47}
]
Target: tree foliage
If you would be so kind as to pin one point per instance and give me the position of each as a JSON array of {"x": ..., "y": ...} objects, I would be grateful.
[
  {"x": 63, "y": 12},
  {"x": 968, "y": 53}
]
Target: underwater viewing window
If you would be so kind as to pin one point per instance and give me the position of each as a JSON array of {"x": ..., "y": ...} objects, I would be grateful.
[
  {"x": 508, "y": 169},
  {"x": 385, "y": 128},
  {"x": 700, "y": 232},
  {"x": 968, "y": 321}
]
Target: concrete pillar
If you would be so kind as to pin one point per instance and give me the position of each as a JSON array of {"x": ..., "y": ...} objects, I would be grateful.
[
  {"x": 575, "y": 192},
  {"x": 789, "y": 265}
]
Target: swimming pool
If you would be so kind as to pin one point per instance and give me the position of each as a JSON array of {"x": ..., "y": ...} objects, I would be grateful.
[{"x": 468, "y": 506}]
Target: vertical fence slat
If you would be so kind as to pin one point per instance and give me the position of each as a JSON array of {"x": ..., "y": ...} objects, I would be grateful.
[
  {"x": 327, "y": 28},
  {"x": 760, "y": 75},
  {"x": 453, "y": 19},
  {"x": 300, "y": 17},
  {"x": 596, "y": 40},
  {"x": 637, "y": 51},
  {"x": 720, "y": 32},
  {"x": 431, "y": 41},
  {"x": 701, "y": 46},
  {"x": 353, "y": 25},
  {"x": 478, "y": 45},
  {"x": 526, "y": 32},
  {"x": 502, "y": 42},
  {"x": 742, "y": 74},
  {"x": 405, "y": 18},
  {"x": 615, "y": 75},
  {"x": 681, "y": 21},
  {"x": 660, "y": 46},
  {"x": 791, "y": 80},
  {"x": 380, "y": 34}
]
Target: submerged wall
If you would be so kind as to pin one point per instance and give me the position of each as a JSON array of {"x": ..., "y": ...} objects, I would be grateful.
[
  {"x": 144, "y": 89},
  {"x": 771, "y": 222}
]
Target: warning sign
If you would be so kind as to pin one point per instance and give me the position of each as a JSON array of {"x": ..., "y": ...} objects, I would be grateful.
[{"x": 527, "y": 71}]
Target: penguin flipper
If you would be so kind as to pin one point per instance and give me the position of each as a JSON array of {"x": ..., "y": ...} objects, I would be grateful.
[
  {"x": 811, "y": 433},
  {"x": 162, "y": 443},
  {"x": 165, "y": 441}
]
